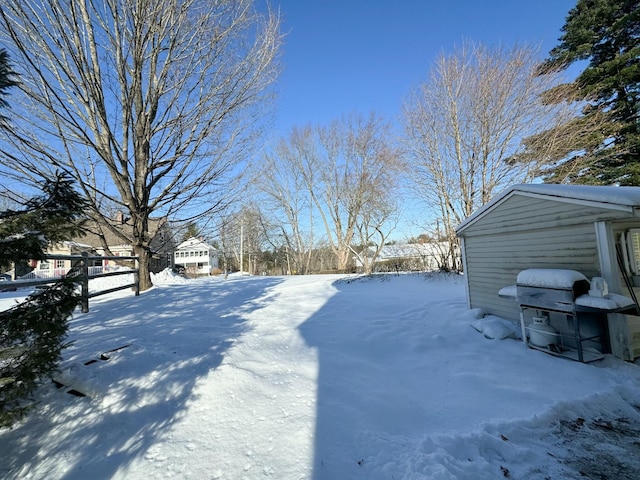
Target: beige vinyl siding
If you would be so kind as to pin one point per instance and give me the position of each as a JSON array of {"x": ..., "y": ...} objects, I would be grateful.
[
  {"x": 494, "y": 261},
  {"x": 524, "y": 231}
]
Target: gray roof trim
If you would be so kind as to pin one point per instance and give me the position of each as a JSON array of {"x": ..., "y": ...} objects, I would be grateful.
[{"x": 608, "y": 197}]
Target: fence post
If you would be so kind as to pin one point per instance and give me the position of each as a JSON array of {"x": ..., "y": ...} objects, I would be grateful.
[
  {"x": 136, "y": 277},
  {"x": 85, "y": 282}
]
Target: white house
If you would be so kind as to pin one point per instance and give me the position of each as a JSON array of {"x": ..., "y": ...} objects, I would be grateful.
[
  {"x": 196, "y": 256},
  {"x": 407, "y": 257}
]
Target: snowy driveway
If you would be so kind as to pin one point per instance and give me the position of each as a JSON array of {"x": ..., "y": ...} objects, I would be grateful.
[{"x": 314, "y": 378}]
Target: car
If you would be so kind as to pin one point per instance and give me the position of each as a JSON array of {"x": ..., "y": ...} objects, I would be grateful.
[
  {"x": 179, "y": 269},
  {"x": 5, "y": 277}
]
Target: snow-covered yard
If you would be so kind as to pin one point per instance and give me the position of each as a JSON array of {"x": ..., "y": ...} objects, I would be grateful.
[{"x": 321, "y": 377}]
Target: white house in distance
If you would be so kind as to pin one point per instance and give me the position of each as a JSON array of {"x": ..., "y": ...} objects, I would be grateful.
[
  {"x": 407, "y": 257},
  {"x": 196, "y": 256}
]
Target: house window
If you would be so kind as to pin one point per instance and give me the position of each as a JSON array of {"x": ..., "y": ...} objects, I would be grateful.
[
  {"x": 44, "y": 265},
  {"x": 59, "y": 263}
]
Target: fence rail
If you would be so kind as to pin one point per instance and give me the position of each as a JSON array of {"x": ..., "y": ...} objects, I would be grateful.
[{"x": 86, "y": 273}]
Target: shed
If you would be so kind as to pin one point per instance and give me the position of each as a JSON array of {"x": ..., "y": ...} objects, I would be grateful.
[{"x": 592, "y": 229}]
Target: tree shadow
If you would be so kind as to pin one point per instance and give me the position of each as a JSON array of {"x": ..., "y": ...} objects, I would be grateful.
[{"x": 138, "y": 361}]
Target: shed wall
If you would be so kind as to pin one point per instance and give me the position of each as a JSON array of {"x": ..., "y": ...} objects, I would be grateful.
[
  {"x": 494, "y": 261},
  {"x": 528, "y": 232},
  {"x": 524, "y": 213}
]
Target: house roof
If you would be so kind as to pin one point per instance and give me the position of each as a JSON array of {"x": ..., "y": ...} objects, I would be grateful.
[
  {"x": 94, "y": 232},
  {"x": 608, "y": 197},
  {"x": 194, "y": 243}
]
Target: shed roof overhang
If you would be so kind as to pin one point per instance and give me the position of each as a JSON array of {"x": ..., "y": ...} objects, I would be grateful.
[{"x": 625, "y": 199}]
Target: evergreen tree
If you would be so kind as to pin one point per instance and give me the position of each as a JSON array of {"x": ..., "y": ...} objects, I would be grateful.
[
  {"x": 7, "y": 79},
  {"x": 606, "y": 33},
  {"x": 32, "y": 334},
  {"x": 31, "y": 340},
  {"x": 192, "y": 231}
]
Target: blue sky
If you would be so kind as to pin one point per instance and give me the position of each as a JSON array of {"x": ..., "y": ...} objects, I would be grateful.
[{"x": 345, "y": 56}]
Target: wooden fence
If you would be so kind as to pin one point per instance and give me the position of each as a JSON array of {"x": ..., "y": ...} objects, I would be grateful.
[{"x": 86, "y": 273}]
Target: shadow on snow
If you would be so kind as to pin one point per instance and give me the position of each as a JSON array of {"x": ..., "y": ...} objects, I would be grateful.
[{"x": 164, "y": 341}]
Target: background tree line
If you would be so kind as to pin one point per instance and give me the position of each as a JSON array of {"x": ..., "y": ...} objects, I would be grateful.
[
  {"x": 485, "y": 118},
  {"x": 154, "y": 108}
]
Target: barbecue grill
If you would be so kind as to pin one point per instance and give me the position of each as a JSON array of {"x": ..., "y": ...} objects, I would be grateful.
[
  {"x": 562, "y": 313},
  {"x": 550, "y": 290}
]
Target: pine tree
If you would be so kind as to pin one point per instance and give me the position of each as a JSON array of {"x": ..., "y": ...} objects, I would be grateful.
[
  {"x": 33, "y": 333},
  {"x": 7, "y": 79},
  {"x": 606, "y": 34},
  {"x": 192, "y": 231}
]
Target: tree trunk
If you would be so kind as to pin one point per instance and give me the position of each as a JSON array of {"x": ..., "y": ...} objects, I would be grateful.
[{"x": 144, "y": 258}]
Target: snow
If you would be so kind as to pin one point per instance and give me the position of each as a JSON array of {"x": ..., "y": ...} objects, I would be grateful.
[
  {"x": 495, "y": 327},
  {"x": 549, "y": 277},
  {"x": 611, "y": 301},
  {"x": 614, "y": 195},
  {"x": 510, "y": 291},
  {"x": 563, "y": 279},
  {"x": 318, "y": 377}
]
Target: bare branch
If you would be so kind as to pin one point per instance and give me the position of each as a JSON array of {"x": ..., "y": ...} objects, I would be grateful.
[
  {"x": 150, "y": 105},
  {"x": 467, "y": 120}
]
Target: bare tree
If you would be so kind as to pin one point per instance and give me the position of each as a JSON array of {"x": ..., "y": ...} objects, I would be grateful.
[
  {"x": 373, "y": 231},
  {"x": 242, "y": 237},
  {"x": 149, "y": 104},
  {"x": 355, "y": 175},
  {"x": 349, "y": 172},
  {"x": 466, "y": 121},
  {"x": 287, "y": 199}
]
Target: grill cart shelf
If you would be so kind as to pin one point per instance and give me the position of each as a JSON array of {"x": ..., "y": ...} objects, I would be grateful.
[{"x": 562, "y": 316}]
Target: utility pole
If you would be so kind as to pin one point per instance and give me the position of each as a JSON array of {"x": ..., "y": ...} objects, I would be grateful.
[{"x": 241, "y": 247}]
